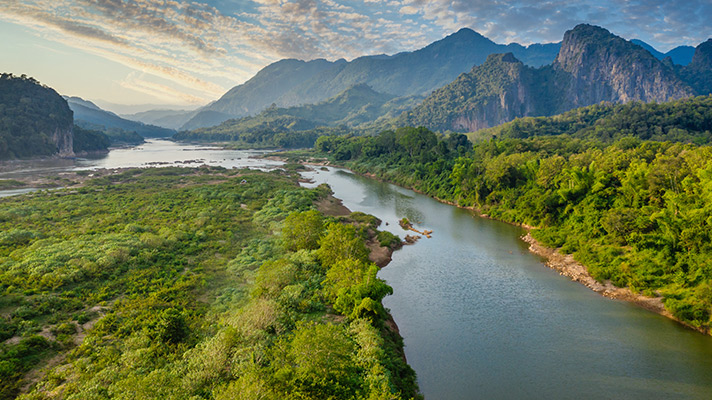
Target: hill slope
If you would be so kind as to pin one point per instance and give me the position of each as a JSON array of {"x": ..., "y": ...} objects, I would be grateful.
[
  {"x": 292, "y": 82},
  {"x": 273, "y": 126},
  {"x": 592, "y": 66},
  {"x": 34, "y": 120},
  {"x": 89, "y": 116}
]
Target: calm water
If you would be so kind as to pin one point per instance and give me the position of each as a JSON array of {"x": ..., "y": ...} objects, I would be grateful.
[
  {"x": 152, "y": 153},
  {"x": 483, "y": 318}
]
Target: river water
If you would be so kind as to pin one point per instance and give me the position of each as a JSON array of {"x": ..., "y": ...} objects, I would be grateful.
[{"x": 482, "y": 317}]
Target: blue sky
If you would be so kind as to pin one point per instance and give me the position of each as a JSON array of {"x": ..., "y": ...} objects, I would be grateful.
[{"x": 187, "y": 53}]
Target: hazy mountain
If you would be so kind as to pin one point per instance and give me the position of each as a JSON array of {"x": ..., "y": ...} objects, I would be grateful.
[
  {"x": 592, "y": 66},
  {"x": 350, "y": 108},
  {"x": 171, "y": 119},
  {"x": 417, "y": 73},
  {"x": 680, "y": 55},
  {"x": 88, "y": 115},
  {"x": 259, "y": 92}
]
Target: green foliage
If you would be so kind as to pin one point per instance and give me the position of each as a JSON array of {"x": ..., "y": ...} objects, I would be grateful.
[
  {"x": 341, "y": 242},
  {"x": 88, "y": 140},
  {"x": 302, "y": 230},
  {"x": 635, "y": 212},
  {"x": 30, "y": 115},
  {"x": 687, "y": 120},
  {"x": 180, "y": 286}
]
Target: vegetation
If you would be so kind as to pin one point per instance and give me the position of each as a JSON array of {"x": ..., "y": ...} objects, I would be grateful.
[
  {"x": 116, "y": 136},
  {"x": 30, "y": 115},
  {"x": 687, "y": 120},
  {"x": 299, "y": 126},
  {"x": 89, "y": 116},
  {"x": 189, "y": 283},
  {"x": 86, "y": 140},
  {"x": 635, "y": 212}
]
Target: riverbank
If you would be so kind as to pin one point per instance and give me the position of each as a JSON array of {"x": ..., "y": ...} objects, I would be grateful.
[{"x": 565, "y": 264}]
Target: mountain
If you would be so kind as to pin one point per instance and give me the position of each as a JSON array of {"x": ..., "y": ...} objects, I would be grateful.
[
  {"x": 680, "y": 55},
  {"x": 352, "y": 107},
  {"x": 684, "y": 120},
  {"x": 410, "y": 73},
  {"x": 603, "y": 67},
  {"x": 592, "y": 66},
  {"x": 292, "y": 82},
  {"x": 698, "y": 73},
  {"x": 34, "y": 120},
  {"x": 170, "y": 119},
  {"x": 88, "y": 115},
  {"x": 258, "y": 92}
]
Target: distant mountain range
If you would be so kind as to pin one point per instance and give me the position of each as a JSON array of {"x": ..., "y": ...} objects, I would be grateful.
[
  {"x": 592, "y": 66},
  {"x": 289, "y": 82},
  {"x": 89, "y": 116},
  {"x": 681, "y": 55},
  {"x": 356, "y": 106},
  {"x": 35, "y": 121},
  {"x": 170, "y": 119},
  {"x": 409, "y": 77}
]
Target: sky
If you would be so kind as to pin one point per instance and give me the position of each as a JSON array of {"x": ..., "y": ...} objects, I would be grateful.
[{"x": 184, "y": 54}]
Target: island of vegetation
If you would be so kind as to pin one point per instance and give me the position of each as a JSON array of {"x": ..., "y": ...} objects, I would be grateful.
[
  {"x": 199, "y": 283},
  {"x": 624, "y": 189}
]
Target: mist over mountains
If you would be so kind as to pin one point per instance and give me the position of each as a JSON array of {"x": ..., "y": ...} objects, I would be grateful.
[{"x": 291, "y": 82}]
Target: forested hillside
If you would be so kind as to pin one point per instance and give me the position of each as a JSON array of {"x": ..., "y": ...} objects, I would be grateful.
[
  {"x": 593, "y": 66},
  {"x": 300, "y": 126},
  {"x": 636, "y": 212},
  {"x": 192, "y": 283},
  {"x": 89, "y": 116},
  {"x": 34, "y": 119},
  {"x": 687, "y": 120}
]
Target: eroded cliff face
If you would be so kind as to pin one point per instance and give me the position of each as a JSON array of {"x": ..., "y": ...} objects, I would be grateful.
[
  {"x": 698, "y": 74},
  {"x": 592, "y": 66},
  {"x": 63, "y": 137},
  {"x": 513, "y": 100},
  {"x": 600, "y": 66}
]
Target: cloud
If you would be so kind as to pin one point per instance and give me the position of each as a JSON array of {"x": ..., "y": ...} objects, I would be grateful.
[{"x": 160, "y": 92}]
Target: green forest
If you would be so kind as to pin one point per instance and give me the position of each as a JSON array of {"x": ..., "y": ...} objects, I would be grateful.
[
  {"x": 636, "y": 212},
  {"x": 199, "y": 283},
  {"x": 30, "y": 114}
]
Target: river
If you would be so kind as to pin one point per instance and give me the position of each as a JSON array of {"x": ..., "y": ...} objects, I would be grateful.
[{"x": 482, "y": 317}]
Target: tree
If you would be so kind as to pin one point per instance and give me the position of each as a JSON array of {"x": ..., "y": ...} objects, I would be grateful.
[
  {"x": 302, "y": 230},
  {"x": 341, "y": 242}
]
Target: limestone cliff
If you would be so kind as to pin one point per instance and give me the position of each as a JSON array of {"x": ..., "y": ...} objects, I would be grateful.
[
  {"x": 63, "y": 138},
  {"x": 592, "y": 66},
  {"x": 698, "y": 74},
  {"x": 597, "y": 66},
  {"x": 34, "y": 120}
]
